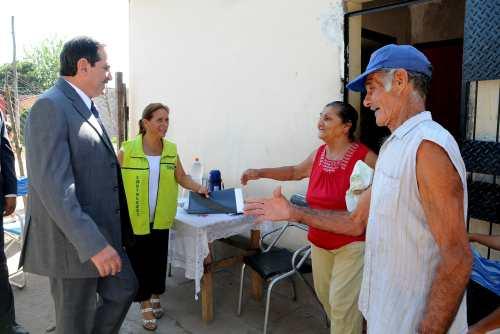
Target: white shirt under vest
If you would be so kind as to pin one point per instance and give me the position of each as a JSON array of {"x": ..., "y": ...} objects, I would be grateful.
[{"x": 400, "y": 252}]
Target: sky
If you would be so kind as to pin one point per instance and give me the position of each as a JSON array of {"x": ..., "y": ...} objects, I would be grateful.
[{"x": 35, "y": 20}]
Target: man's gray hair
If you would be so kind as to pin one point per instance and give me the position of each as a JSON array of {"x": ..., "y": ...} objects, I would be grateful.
[
  {"x": 421, "y": 82},
  {"x": 388, "y": 77}
]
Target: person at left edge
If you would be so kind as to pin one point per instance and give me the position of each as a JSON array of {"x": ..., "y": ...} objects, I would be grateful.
[
  {"x": 7, "y": 206},
  {"x": 151, "y": 170},
  {"x": 77, "y": 219}
]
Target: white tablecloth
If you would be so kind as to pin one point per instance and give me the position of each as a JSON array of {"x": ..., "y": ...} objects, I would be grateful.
[{"x": 190, "y": 235}]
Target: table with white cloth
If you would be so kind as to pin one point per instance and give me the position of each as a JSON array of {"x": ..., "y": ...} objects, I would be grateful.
[{"x": 188, "y": 248}]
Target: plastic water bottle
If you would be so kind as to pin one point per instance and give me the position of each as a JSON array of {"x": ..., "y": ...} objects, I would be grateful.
[{"x": 197, "y": 171}]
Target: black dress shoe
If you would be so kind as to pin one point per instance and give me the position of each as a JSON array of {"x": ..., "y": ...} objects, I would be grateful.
[{"x": 18, "y": 329}]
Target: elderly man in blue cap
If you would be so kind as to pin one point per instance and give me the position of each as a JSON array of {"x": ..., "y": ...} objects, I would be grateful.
[{"x": 417, "y": 257}]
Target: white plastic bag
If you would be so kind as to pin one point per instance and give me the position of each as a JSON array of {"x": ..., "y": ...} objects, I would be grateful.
[{"x": 361, "y": 178}]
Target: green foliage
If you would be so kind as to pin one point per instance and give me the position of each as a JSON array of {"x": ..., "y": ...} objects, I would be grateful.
[
  {"x": 38, "y": 70},
  {"x": 27, "y": 79},
  {"x": 45, "y": 58}
]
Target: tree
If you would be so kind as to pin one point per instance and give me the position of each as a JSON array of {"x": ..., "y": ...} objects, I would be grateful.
[
  {"x": 45, "y": 58},
  {"x": 38, "y": 70},
  {"x": 27, "y": 79}
]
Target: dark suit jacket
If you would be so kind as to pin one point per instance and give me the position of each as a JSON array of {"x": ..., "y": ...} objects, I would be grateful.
[
  {"x": 8, "y": 180},
  {"x": 76, "y": 202}
]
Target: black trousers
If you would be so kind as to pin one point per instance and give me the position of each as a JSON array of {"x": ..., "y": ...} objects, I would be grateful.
[
  {"x": 149, "y": 260},
  {"x": 480, "y": 302},
  {"x": 7, "y": 314}
]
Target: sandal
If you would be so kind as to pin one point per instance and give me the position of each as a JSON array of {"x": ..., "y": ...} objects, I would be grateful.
[
  {"x": 157, "y": 311},
  {"x": 149, "y": 324}
]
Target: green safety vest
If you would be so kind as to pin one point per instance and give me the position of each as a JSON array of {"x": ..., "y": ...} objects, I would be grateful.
[{"x": 135, "y": 174}]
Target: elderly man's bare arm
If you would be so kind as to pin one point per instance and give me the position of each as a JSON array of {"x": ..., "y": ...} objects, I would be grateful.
[
  {"x": 279, "y": 208},
  {"x": 442, "y": 194}
]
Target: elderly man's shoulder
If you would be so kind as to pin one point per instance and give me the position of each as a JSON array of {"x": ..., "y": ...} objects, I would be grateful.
[
  {"x": 435, "y": 132},
  {"x": 439, "y": 148}
]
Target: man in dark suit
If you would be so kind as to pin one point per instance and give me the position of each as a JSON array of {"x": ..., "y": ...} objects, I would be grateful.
[
  {"x": 77, "y": 218},
  {"x": 8, "y": 190}
]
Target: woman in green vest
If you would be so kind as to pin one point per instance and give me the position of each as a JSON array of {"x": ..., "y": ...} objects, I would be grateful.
[{"x": 151, "y": 171}]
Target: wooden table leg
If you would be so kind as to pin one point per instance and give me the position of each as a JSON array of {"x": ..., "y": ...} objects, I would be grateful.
[
  {"x": 207, "y": 287},
  {"x": 257, "y": 282}
]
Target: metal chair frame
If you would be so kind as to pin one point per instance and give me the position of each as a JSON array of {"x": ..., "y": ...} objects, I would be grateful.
[
  {"x": 298, "y": 259},
  {"x": 15, "y": 238}
]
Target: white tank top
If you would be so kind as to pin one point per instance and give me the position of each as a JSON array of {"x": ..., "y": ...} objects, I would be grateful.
[
  {"x": 400, "y": 252},
  {"x": 154, "y": 177}
]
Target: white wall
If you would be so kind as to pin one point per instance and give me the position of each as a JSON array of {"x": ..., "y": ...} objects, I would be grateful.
[{"x": 245, "y": 80}]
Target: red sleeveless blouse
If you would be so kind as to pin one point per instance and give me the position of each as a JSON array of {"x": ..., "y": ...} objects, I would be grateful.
[{"x": 328, "y": 183}]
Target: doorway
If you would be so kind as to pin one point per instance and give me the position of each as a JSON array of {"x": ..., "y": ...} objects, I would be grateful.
[{"x": 433, "y": 26}]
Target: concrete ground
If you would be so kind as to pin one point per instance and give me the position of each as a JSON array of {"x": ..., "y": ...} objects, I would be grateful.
[{"x": 35, "y": 311}]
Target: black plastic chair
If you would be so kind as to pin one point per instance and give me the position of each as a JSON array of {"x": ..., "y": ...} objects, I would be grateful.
[{"x": 274, "y": 264}]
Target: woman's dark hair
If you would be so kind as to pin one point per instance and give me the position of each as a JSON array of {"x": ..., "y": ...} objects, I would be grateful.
[
  {"x": 347, "y": 114},
  {"x": 76, "y": 49},
  {"x": 148, "y": 114}
]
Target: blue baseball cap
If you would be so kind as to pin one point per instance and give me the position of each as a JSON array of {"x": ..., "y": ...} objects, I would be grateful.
[{"x": 393, "y": 56}]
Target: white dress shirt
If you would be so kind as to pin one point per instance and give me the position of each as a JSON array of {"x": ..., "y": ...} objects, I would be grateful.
[{"x": 85, "y": 98}]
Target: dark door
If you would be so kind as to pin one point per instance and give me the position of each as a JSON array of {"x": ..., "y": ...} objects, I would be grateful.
[{"x": 443, "y": 100}]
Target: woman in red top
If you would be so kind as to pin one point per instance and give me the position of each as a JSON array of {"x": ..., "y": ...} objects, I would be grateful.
[{"x": 337, "y": 259}]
